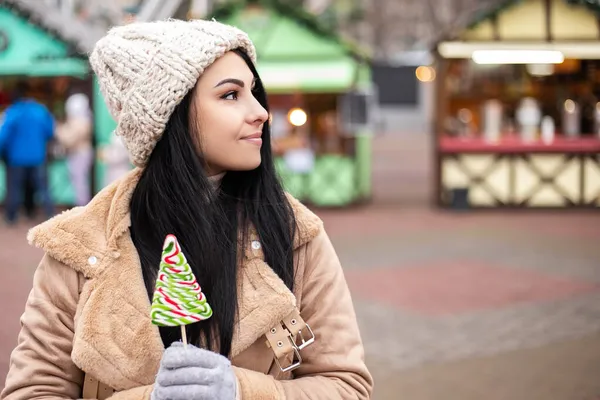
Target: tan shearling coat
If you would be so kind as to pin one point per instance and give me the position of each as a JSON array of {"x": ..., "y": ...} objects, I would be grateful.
[{"x": 88, "y": 312}]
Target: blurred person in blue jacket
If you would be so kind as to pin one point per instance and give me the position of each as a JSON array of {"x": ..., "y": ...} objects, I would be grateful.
[{"x": 27, "y": 128}]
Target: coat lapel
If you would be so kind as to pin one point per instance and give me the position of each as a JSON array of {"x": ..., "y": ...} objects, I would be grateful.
[
  {"x": 115, "y": 340},
  {"x": 263, "y": 301}
]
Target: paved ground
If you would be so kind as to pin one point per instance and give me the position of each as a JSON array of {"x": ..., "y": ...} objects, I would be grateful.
[
  {"x": 482, "y": 307},
  {"x": 452, "y": 306}
]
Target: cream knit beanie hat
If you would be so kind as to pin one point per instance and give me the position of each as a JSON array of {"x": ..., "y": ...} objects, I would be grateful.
[{"x": 145, "y": 69}]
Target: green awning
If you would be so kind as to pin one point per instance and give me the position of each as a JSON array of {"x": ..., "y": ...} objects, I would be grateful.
[
  {"x": 308, "y": 76},
  {"x": 279, "y": 37},
  {"x": 292, "y": 57},
  {"x": 26, "y": 49}
]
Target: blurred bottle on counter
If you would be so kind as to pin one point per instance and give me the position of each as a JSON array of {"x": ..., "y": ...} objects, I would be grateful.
[
  {"x": 465, "y": 120},
  {"x": 492, "y": 120},
  {"x": 571, "y": 122},
  {"x": 528, "y": 116},
  {"x": 547, "y": 129}
]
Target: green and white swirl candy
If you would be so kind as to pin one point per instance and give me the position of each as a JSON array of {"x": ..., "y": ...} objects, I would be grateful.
[{"x": 178, "y": 299}]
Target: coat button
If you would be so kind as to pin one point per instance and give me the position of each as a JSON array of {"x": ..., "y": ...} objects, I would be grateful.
[
  {"x": 92, "y": 260},
  {"x": 255, "y": 244}
]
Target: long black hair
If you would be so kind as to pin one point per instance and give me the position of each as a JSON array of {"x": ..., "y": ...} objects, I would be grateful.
[{"x": 174, "y": 196}]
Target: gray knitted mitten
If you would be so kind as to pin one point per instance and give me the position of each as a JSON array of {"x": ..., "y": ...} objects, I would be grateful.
[{"x": 193, "y": 374}]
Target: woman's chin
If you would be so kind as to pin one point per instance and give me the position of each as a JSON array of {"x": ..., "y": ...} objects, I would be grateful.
[{"x": 246, "y": 165}]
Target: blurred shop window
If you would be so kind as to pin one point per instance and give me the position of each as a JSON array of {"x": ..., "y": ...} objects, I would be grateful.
[{"x": 359, "y": 111}]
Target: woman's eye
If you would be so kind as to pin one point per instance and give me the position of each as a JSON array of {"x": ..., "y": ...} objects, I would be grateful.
[{"x": 230, "y": 96}]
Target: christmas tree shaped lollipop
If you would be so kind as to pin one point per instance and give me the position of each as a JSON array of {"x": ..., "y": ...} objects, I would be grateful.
[{"x": 178, "y": 299}]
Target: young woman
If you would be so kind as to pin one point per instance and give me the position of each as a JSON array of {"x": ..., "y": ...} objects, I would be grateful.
[{"x": 192, "y": 112}]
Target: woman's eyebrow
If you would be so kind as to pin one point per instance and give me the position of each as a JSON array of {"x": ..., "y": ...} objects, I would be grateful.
[
  {"x": 231, "y": 80},
  {"x": 237, "y": 82}
]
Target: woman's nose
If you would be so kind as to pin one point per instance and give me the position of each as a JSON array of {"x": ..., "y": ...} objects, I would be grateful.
[{"x": 259, "y": 114}]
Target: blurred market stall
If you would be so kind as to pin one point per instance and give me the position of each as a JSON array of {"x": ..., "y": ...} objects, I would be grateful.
[{"x": 517, "y": 122}]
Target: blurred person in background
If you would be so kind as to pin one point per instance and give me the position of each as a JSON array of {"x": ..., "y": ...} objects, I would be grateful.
[
  {"x": 192, "y": 112},
  {"x": 28, "y": 190},
  {"x": 75, "y": 135},
  {"x": 29, "y": 199},
  {"x": 24, "y": 135}
]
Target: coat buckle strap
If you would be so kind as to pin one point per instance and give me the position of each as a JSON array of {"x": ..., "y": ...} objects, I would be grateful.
[
  {"x": 293, "y": 365},
  {"x": 280, "y": 341},
  {"x": 306, "y": 343},
  {"x": 94, "y": 389},
  {"x": 295, "y": 325},
  {"x": 287, "y": 337},
  {"x": 90, "y": 387}
]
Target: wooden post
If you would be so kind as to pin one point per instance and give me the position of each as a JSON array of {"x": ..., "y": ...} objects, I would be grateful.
[
  {"x": 439, "y": 116},
  {"x": 548, "y": 19}
]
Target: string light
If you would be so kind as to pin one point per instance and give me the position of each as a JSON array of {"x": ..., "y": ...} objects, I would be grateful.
[{"x": 297, "y": 117}]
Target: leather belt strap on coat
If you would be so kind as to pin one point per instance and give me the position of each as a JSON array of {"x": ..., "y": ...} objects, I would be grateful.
[
  {"x": 290, "y": 336},
  {"x": 94, "y": 389}
]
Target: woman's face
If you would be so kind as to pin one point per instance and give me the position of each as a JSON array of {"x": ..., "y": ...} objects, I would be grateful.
[{"x": 229, "y": 118}]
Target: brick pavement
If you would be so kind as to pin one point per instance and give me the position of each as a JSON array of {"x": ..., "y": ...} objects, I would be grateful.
[
  {"x": 461, "y": 287},
  {"x": 454, "y": 293},
  {"x": 562, "y": 370}
]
